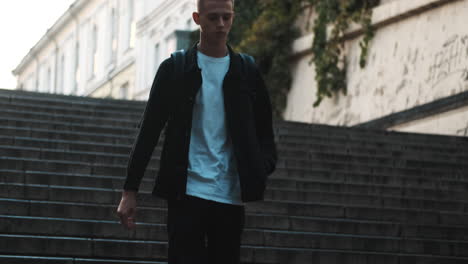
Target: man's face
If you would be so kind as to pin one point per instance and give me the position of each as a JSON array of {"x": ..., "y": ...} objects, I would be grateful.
[{"x": 215, "y": 19}]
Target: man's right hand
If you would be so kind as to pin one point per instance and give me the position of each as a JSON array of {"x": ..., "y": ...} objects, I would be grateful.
[{"x": 127, "y": 209}]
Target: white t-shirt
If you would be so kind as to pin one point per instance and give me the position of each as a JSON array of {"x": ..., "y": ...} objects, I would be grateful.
[{"x": 212, "y": 171}]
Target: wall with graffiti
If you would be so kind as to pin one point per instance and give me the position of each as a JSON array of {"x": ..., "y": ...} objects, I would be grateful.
[{"x": 419, "y": 54}]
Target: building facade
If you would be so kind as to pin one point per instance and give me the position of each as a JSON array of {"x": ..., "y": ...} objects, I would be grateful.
[
  {"x": 416, "y": 78},
  {"x": 106, "y": 48}
]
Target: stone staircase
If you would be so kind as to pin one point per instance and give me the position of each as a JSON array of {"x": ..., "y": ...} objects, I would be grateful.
[{"x": 339, "y": 195}]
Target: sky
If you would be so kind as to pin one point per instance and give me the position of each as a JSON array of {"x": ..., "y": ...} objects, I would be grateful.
[{"x": 22, "y": 24}]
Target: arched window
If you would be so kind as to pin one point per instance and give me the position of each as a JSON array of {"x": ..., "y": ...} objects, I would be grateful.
[
  {"x": 77, "y": 68},
  {"x": 130, "y": 30},
  {"x": 48, "y": 86},
  {"x": 94, "y": 52},
  {"x": 61, "y": 77},
  {"x": 113, "y": 26}
]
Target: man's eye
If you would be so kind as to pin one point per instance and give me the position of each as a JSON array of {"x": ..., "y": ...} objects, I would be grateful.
[{"x": 226, "y": 17}]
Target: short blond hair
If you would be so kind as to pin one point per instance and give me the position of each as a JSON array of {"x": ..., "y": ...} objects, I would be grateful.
[{"x": 200, "y": 4}]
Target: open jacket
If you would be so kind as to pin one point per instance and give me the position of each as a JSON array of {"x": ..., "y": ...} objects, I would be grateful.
[{"x": 249, "y": 124}]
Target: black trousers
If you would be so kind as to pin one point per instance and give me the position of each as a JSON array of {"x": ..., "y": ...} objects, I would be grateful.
[{"x": 204, "y": 232}]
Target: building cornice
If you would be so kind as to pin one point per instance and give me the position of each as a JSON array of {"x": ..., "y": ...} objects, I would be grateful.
[
  {"x": 157, "y": 14},
  {"x": 51, "y": 33}
]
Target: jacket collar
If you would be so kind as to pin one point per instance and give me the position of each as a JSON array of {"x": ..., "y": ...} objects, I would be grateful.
[{"x": 235, "y": 63}]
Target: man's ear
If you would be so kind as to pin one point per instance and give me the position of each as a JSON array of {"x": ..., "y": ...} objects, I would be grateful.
[{"x": 196, "y": 17}]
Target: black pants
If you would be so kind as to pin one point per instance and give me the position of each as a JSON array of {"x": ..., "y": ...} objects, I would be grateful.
[{"x": 204, "y": 232}]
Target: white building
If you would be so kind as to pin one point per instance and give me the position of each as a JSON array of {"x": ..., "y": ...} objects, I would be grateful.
[{"x": 106, "y": 48}]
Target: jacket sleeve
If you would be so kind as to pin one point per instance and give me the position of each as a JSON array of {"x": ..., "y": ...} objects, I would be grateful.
[
  {"x": 154, "y": 118},
  {"x": 264, "y": 123}
]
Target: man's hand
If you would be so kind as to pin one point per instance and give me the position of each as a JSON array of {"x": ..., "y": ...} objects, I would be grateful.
[{"x": 127, "y": 209}]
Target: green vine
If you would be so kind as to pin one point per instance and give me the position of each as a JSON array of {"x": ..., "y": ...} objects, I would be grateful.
[
  {"x": 328, "y": 52},
  {"x": 266, "y": 30},
  {"x": 268, "y": 38}
]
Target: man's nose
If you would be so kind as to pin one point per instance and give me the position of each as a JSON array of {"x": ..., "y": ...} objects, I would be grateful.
[{"x": 220, "y": 22}]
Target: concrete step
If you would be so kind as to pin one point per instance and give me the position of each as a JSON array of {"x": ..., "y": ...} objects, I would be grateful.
[
  {"x": 288, "y": 215},
  {"x": 156, "y": 250},
  {"x": 315, "y": 161},
  {"x": 443, "y": 190},
  {"x": 21, "y": 259},
  {"x": 291, "y": 129},
  {"x": 10, "y": 115},
  {"x": 5, "y": 103},
  {"x": 320, "y": 257},
  {"x": 258, "y": 237},
  {"x": 367, "y": 162},
  {"x": 66, "y": 166},
  {"x": 105, "y": 159},
  {"x": 394, "y": 158},
  {"x": 424, "y": 180},
  {"x": 67, "y": 118},
  {"x": 304, "y": 130},
  {"x": 47, "y": 134},
  {"x": 319, "y": 162},
  {"x": 436, "y": 181},
  {"x": 455, "y": 183},
  {"x": 353, "y": 133},
  {"x": 112, "y": 196},
  {"x": 331, "y": 168},
  {"x": 127, "y": 138},
  {"x": 297, "y": 152},
  {"x": 82, "y": 247},
  {"x": 75, "y": 145},
  {"x": 111, "y": 228},
  {"x": 64, "y": 126},
  {"x": 378, "y": 143},
  {"x": 19, "y": 97},
  {"x": 356, "y": 149},
  {"x": 439, "y": 182}
]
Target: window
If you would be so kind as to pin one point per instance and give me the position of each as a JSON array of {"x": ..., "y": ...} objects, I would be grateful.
[
  {"x": 124, "y": 91},
  {"x": 48, "y": 86},
  {"x": 29, "y": 86},
  {"x": 94, "y": 49},
  {"x": 61, "y": 77},
  {"x": 77, "y": 67},
  {"x": 131, "y": 25},
  {"x": 157, "y": 57},
  {"x": 38, "y": 81},
  {"x": 113, "y": 36}
]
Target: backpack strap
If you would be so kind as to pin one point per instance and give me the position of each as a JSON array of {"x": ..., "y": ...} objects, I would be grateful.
[
  {"x": 178, "y": 58},
  {"x": 248, "y": 64},
  {"x": 179, "y": 63},
  {"x": 248, "y": 69}
]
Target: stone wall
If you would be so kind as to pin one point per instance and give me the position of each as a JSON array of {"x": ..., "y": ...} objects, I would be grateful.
[{"x": 419, "y": 54}]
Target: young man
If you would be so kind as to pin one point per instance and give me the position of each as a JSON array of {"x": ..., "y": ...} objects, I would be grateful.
[{"x": 219, "y": 145}]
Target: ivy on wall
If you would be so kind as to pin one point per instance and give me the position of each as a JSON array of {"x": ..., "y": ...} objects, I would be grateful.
[
  {"x": 328, "y": 51},
  {"x": 266, "y": 30}
]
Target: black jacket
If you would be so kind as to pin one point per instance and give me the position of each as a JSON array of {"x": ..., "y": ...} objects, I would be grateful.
[{"x": 248, "y": 118}]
